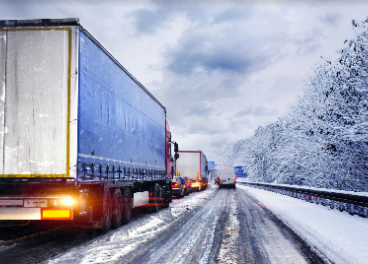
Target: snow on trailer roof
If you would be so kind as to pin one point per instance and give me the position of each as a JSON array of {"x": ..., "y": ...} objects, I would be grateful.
[{"x": 73, "y": 22}]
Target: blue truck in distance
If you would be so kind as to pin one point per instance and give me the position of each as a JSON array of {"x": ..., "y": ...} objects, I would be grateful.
[{"x": 84, "y": 140}]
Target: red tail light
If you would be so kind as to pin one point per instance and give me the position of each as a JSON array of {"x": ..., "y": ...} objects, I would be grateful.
[
  {"x": 185, "y": 186},
  {"x": 175, "y": 185}
]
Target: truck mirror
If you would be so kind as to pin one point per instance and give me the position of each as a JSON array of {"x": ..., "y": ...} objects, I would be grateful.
[
  {"x": 176, "y": 156},
  {"x": 206, "y": 168},
  {"x": 176, "y": 147}
]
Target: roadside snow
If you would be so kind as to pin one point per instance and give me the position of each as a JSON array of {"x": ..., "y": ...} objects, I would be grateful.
[
  {"x": 309, "y": 188},
  {"x": 342, "y": 238}
]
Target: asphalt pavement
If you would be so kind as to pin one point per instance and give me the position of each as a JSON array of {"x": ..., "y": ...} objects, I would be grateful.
[{"x": 212, "y": 226}]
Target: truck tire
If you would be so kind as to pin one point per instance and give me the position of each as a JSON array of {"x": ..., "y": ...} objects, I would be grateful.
[
  {"x": 127, "y": 206},
  {"x": 157, "y": 196},
  {"x": 166, "y": 195},
  {"x": 106, "y": 211},
  {"x": 117, "y": 208}
]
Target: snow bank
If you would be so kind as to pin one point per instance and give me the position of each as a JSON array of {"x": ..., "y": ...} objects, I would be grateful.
[
  {"x": 342, "y": 238},
  {"x": 365, "y": 194}
]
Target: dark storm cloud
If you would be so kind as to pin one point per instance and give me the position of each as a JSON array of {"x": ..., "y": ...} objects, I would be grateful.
[{"x": 203, "y": 51}]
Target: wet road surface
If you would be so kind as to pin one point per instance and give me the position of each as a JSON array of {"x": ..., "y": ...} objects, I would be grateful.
[{"x": 212, "y": 226}]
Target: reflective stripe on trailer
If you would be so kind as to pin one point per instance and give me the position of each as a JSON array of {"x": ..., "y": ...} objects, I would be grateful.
[
  {"x": 56, "y": 214},
  {"x": 14, "y": 213}
]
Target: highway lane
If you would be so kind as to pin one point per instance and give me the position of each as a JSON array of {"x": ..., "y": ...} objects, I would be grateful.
[{"x": 212, "y": 226}]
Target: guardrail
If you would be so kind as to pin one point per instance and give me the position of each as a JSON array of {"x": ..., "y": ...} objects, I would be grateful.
[{"x": 353, "y": 204}]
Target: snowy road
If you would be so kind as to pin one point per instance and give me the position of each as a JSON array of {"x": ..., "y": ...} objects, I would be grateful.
[{"x": 213, "y": 226}]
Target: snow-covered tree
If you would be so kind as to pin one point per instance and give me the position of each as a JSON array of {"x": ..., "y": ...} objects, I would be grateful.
[{"x": 323, "y": 140}]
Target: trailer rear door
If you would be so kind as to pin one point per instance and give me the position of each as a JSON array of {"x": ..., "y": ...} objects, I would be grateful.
[
  {"x": 34, "y": 101},
  {"x": 189, "y": 164}
]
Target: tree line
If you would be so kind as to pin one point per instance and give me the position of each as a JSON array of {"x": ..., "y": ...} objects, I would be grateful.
[{"x": 322, "y": 141}]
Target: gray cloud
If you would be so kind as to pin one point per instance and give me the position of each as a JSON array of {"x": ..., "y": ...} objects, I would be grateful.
[
  {"x": 147, "y": 21},
  {"x": 227, "y": 53},
  {"x": 232, "y": 14},
  {"x": 331, "y": 19},
  {"x": 255, "y": 111}
]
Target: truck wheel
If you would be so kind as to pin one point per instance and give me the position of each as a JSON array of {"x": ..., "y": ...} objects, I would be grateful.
[
  {"x": 157, "y": 196},
  {"x": 127, "y": 206},
  {"x": 166, "y": 196},
  {"x": 117, "y": 210},
  {"x": 106, "y": 211}
]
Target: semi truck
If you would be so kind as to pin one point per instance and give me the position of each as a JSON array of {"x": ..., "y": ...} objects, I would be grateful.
[
  {"x": 193, "y": 164},
  {"x": 82, "y": 140}
]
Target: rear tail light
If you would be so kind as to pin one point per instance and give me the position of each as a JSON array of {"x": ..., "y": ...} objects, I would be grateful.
[
  {"x": 185, "y": 186},
  {"x": 234, "y": 177},
  {"x": 175, "y": 185}
]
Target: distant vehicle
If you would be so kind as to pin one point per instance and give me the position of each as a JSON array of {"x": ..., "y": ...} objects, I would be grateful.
[
  {"x": 178, "y": 187},
  {"x": 198, "y": 185},
  {"x": 185, "y": 185},
  {"x": 188, "y": 184},
  {"x": 217, "y": 180},
  {"x": 227, "y": 178},
  {"x": 194, "y": 165}
]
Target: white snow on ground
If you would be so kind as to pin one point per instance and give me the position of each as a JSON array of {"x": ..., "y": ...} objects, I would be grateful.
[
  {"x": 109, "y": 248},
  {"x": 227, "y": 253},
  {"x": 307, "y": 187},
  {"x": 340, "y": 237}
]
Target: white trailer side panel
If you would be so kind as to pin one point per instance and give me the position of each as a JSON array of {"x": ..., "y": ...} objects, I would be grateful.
[
  {"x": 188, "y": 164},
  {"x": 2, "y": 94},
  {"x": 37, "y": 97}
]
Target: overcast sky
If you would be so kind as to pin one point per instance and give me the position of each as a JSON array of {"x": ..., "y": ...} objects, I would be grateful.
[{"x": 221, "y": 68}]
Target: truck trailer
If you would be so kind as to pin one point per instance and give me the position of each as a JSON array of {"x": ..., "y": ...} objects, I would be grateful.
[
  {"x": 81, "y": 138},
  {"x": 193, "y": 164}
]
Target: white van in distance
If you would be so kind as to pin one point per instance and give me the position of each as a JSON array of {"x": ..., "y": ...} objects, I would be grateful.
[{"x": 227, "y": 178}]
